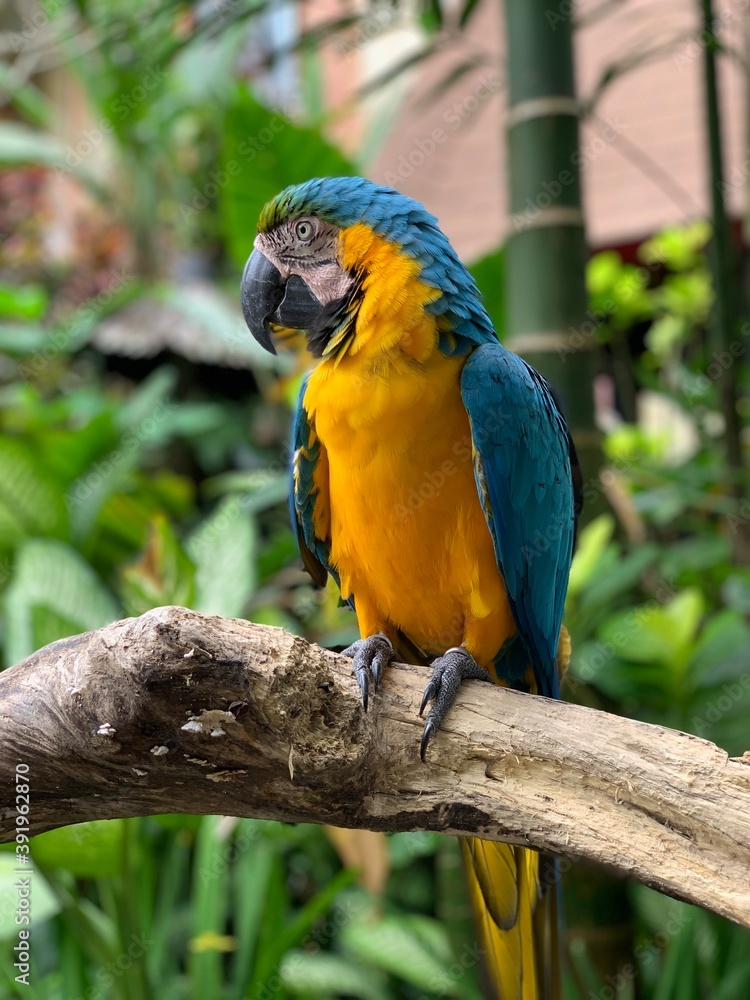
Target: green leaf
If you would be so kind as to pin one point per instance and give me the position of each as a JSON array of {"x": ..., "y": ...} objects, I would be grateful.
[
  {"x": 323, "y": 974},
  {"x": 30, "y": 499},
  {"x": 43, "y": 902},
  {"x": 23, "y": 302},
  {"x": 162, "y": 575},
  {"x": 390, "y": 944},
  {"x": 210, "y": 904},
  {"x": 86, "y": 850},
  {"x": 700, "y": 553},
  {"x": 263, "y": 153},
  {"x": 23, "y": 338},
  {"x": 612, "y": 581},
  {"x": 657, "y": 634},
  {"x": 54, "y": 593},
  {"x": 723, "y": 649},
  {"x": 223, "y": 550},
  {"x": 20, "y": 144},
  {"x": 250, "y": 886},
  {"x": 226, "y": 340},
  {"x": 147, "y": 407},
  {"x": 592, "y": 542},
  {"x": 488, "y": 274}
]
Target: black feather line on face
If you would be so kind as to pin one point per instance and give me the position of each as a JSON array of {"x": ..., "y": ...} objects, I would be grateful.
[{"x": 333, "y": 319}]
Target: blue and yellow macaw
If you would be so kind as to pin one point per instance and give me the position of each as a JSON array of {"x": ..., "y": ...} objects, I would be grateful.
[{"x": 433, "y": 478}]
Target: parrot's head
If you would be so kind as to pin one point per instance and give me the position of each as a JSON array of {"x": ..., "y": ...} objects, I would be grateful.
[{"x": 352, "y": 263}]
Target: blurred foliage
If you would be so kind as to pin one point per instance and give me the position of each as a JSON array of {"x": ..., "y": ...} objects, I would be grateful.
[{"x": 127, "y": 483}]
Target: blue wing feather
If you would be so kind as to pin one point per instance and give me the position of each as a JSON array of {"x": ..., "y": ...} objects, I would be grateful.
[
  {"x": 523, "y": 472},
  {"x": 302, "y": 495}
]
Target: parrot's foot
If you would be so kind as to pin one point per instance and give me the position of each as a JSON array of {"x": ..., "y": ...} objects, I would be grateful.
[
  {"x": 371, "y": 656},
  {"x": 454, "y": 666}
]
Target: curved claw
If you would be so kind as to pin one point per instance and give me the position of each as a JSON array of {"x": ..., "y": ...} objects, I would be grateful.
[
  {"x": 429, "y": 692},
  {"x": 371, "y": 656},
  {"x": 448, "y": 671},
  {"x": 429, "y": 729},
  {"x": 360, "y": 672}
]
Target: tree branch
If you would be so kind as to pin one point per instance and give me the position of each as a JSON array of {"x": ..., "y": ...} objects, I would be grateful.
[{"x": 175, "y": 711}]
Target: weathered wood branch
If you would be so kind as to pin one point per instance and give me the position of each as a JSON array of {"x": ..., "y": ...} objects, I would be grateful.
[{"x": 178, "y": 712}]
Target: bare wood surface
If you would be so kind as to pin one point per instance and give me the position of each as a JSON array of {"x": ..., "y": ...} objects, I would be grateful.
[{"x": 179, "y": 712}]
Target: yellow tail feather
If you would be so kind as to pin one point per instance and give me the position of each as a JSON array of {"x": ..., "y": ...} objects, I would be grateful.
[{"x": 517, "y": 927}]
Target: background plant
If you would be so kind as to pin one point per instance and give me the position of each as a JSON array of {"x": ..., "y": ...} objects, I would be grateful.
[{"x": 129, "y": 481}]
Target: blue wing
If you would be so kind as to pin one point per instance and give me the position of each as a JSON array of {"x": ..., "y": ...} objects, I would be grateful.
[
  {"x": 307, "y": 453},
  {"x": 522, "y": 452}
]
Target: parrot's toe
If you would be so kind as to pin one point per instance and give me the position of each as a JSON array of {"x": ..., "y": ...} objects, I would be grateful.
[
  {"x": 371, "y": 656},
  {"x": 448, "y": 671}
]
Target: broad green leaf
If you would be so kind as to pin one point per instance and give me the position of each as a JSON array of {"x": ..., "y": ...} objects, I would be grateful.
[
  {"x": 611, "y": 581},
  {"x": 23, "y": 301},
  {"x": 86, "y": 850},
  {"x": 54, "y": 593},
  {"x": 23, "y": 338},
  {"x": 591, "y": 545},
  {"x": 223, "y": 550},
  {"x": 683, "y": 614},
  {"x": 20, "y": 144},
  {"x": 735, "y": 592},
  {"x": 722, "y": 651},
  {"x": 148, "y": 406},
  {"x": 323, "y": 974},
  {"x": 43, "y": 902},
  {"x": 656, "y": 634},
  {"x": 30, "y": 499},
  {"x": 700, "y": 553},
  {"x": 390, "y": 944},
  {"x": 263, "y": 153}
]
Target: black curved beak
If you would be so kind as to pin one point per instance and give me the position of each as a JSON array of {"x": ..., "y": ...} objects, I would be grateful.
[
  {"x": 267, "y": 297},
  {"x": 262, "y": 290}
]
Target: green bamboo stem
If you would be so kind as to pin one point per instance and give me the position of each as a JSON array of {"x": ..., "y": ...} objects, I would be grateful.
[
  {"x": 546, "y": 251},
  {"x": 724, "y": 264}
]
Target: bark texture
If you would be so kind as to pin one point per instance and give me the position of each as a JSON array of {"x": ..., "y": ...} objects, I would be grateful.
[{"x": 180, "y": 712}]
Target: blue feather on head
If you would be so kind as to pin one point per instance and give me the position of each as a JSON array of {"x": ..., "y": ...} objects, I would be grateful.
[{"x": 346, "y": 201}]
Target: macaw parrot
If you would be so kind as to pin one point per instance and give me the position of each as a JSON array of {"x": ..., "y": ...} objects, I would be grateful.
[{"x": 433, "y": 478}]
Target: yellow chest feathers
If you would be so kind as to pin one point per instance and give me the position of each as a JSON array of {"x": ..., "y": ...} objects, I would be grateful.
[{"x": 397, "y": 496}]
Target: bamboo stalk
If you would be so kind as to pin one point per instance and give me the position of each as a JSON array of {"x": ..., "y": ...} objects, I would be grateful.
[{"x": 546, "y": 250}]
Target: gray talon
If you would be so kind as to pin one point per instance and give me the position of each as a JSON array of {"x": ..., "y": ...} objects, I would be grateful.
[
  {"x": 448, "y": 671},
  {"x": 371, "y": 656}
]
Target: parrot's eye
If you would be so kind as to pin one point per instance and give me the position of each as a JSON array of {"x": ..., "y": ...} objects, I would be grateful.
[{"x": 304, "y": 230}]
